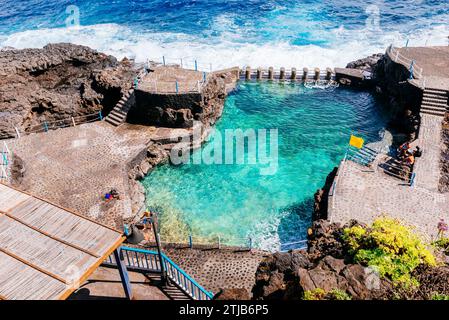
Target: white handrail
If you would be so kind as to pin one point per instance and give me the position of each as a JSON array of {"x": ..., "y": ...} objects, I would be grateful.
[{"x": 397, "y": 57}]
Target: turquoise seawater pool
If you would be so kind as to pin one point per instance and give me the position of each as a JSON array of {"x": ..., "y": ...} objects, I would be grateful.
[{"x": 237, "y": 201}]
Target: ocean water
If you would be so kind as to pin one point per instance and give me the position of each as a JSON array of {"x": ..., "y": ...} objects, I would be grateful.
[
  {"x": 238, "y": 201},
  {"x": 312, "y": 33}
]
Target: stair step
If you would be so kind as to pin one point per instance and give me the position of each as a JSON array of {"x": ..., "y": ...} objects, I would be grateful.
[
  {"x": 113, "y": 122},
  {"x": 436, "y": 91},
  {"x": 114, "y": 117},
  {"x": 437, "y": 100},
  {"x": 434, "y": 95},
  {"x": 434, "y": 104},
  {"x": 435, "y": 113},
  {"x": 427, "y": 107},
  {"x": 119, "y": 113}
]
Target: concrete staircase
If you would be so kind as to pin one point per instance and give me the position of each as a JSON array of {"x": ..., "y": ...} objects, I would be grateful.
[
  {"x": 118, "y": 115},
  {"x": 434, "y": 102}
]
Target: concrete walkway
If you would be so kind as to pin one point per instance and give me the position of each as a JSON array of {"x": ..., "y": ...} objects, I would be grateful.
[
  {"x": 74, "y": 167},
  {"x": 427, "y": 167},
  {"x": 364, "y": 194}
]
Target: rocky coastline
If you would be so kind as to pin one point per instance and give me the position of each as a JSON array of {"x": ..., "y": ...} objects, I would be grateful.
[
  {"x": 327, "y": 266},
  {"x": 58, "y": 82}
]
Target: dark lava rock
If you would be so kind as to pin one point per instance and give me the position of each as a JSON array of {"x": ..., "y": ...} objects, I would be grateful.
[
  {"x": 58, "y": 82},
  {"x": 366, "y": 64}
]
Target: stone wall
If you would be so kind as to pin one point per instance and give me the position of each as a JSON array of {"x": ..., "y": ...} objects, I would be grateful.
[
  {"x": 181, "y": 110},
  {"x": 403, "y": 99},
  {"x": 165, "y": 110}
]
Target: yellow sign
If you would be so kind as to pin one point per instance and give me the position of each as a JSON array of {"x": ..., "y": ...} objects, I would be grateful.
[{"x": 356, "y": 142}]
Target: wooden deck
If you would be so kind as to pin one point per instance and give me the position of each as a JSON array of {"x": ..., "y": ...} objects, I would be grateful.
[{"x": 47, "y": 251}]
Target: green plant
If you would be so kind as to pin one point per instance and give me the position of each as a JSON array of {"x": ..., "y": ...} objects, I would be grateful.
[
  {"x": 438, "y": 296},
  {"x": 442, "y": 244},
  {"x": 389, "y": 246},
  {"x": 315, "y": 294},
  {"x": 337, "y": 294},
  {"x": 320, "y": 294}
]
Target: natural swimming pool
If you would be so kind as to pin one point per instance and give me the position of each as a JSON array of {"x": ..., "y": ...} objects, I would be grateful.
[{"x": 236, "y": 201}]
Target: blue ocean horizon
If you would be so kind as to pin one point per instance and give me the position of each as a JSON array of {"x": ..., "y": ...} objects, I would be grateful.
[{"x": 226, "y": 33}]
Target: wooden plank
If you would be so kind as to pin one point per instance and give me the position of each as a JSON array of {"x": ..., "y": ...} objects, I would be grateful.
[
  {"x": 12, "y": 255},
  {"x": 87, "y": 274},
  {"x": 64, "y": 225},
  {"x": 58, "y": 206},
  {"x": 50, "y": 236}
]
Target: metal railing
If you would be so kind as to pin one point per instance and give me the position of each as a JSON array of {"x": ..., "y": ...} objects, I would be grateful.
[
  {"x": 415, "y": 71},
  {"x": 189, "y": 63},
  {"x": 296, "y": 245},
  {"x": 58, "y": 124},
  {"x": 364, "y": 156},
  {"x": 142, "y": 260},
  {"x": 5, "y": 160},
  {"x": 175, "y": 87}
]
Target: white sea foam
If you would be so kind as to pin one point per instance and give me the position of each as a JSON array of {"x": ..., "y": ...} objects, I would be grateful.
[{"x": 225, "y": 51}]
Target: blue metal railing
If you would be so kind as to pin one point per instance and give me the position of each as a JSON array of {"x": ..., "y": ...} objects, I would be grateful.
[
  {"x": 297, "y": 245},
  {"x": 142, "y": 260},
  {"x": 364, "y": 156}
]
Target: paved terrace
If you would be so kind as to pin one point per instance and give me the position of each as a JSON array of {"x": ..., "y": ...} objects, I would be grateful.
[
  {"x": 171, "y": 79},
  {"x": 435, "y": 64},
  {"x": 364, "y": 194},
  {"x": 74, "y": 167}
]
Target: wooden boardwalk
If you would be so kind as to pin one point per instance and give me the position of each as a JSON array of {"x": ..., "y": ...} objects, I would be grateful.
[{"x": 47, "y": 251}]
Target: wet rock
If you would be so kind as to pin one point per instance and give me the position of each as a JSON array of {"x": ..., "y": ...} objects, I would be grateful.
[{"x": 366, "y": 64}]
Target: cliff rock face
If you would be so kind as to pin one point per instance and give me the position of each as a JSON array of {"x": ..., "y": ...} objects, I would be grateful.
[
  {"x": 57, "y": 82},
  {"x": 403, "y": 99},
  {"x": 288, "y": 275},
  {"x": 321, "y": 197}
]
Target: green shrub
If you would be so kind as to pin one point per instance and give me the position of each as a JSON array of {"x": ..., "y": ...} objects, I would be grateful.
[
  {"x": 437, "y": 296},
  {"x": 390, "y": 247},
  {"x": 320, "y": 294},
  {"x": 442, "y": 244},
  {"x": 337, "y": 294},
  {"x": 316, "y": 294}
]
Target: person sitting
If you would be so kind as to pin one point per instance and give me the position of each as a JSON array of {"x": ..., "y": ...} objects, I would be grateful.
[
  {"x": 403, "y": 149},
  {"x": 111, "y": 195},
  {"x": 115, "y": 194},
  {"x": 410, "y": 159},
  {"x": 417, "y": 152}
]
